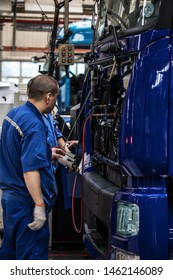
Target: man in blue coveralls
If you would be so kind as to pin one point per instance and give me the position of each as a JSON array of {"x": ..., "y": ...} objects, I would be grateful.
[
  {"x": 55, "y": 137},
  {"x": 26, "y": 174}
]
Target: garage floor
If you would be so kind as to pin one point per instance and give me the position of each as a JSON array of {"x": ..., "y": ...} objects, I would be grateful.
[{"x": 69, "y": 255}]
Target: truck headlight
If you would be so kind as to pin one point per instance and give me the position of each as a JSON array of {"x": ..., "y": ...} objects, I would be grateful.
[{"x": 127, "y": 219}]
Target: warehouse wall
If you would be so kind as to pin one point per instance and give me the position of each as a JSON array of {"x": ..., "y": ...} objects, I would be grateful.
[
  {"x": 29, "y": 39},
  {"x": 21, "y": 45}
]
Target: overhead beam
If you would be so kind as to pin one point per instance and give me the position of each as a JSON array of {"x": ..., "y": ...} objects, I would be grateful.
[{"x": 44, "y": 50}]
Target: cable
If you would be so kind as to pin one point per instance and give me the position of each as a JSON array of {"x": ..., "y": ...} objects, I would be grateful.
[
  {"x": 82, "y": 184},
  {"x": 79, "y": 115},
  {"x": 43, "y": 13},
  {"x": 73, "y": 206},
  {"x": 75, "y": 183},
  {"x": 80, "y": 109}
]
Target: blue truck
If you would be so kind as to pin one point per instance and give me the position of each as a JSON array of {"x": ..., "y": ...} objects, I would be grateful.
[
  {"x": 81, "y": 33},
  {"x": 127, "y": 108}
]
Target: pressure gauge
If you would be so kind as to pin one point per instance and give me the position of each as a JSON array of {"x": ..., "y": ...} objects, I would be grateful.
[{"x": 148, "y": 10}]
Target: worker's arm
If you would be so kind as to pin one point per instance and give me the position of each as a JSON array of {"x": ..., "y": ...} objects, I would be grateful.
[
  {"x": 33, "y": 184},
  {"x": 62, "y": 144},
  {"x": 66, "y": 145}
]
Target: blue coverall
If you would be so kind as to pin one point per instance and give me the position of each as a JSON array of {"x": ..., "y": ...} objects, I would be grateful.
[
  {"x": 53, "y": 134},
  {"x": 24, "y": 146}
]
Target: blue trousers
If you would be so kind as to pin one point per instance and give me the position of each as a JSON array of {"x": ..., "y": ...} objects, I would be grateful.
[{"x": 19, "y": 242}]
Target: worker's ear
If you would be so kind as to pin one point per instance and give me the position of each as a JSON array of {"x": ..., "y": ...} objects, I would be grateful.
[{"x": 48, "y": 97}]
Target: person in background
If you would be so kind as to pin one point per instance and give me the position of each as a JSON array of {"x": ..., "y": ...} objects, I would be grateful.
[
  {"x": 27, "y": 180},
  {"x": 59, "y": 146}
]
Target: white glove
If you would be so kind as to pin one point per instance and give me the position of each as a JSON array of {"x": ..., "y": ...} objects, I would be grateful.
[{"x": 39, "y": 218}]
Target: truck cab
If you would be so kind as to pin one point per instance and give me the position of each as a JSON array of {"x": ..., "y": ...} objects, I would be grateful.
[
  {"x": 81, "y": 35},
  {"x": 128, "y": 106}
]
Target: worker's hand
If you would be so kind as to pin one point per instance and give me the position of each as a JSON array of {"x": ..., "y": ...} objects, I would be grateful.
[
  {"x": 39, "y": 218},
  {"x": 72, "y": 143},
  {"x": 57, "y": 153}
]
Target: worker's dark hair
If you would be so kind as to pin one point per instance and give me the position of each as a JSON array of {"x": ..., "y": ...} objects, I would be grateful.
[{"x": 40, "y": 85}]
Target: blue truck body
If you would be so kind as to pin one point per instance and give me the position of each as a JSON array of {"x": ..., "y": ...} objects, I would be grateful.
[{"x": 128, "y": 93}]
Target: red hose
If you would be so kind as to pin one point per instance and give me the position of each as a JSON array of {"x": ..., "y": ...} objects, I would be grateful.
[{"x": 75, "y": 183}]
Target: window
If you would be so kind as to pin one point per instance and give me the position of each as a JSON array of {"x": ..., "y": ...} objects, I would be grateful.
[
  {"x": 126, "y": 14},
  {"x": 12, "y": 68},
  {"x": 134, "y": 13},
  {"x": 28, "y": 68},
  {"x": 19, "y": 71}
]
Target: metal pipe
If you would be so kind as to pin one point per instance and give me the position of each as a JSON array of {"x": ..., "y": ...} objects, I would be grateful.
[
  {"x": 14, "y": 25},
  {"x": 66, "y": 15},
  {"x": 53, "y": 39}
]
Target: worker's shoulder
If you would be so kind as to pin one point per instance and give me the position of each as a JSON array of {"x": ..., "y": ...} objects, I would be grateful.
[{"x": 27, "y": 118}]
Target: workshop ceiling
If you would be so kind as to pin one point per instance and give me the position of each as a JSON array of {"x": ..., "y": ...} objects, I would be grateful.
[
  {"x": 43, "y": 9},
  {"x": 26, "y": 25}
]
